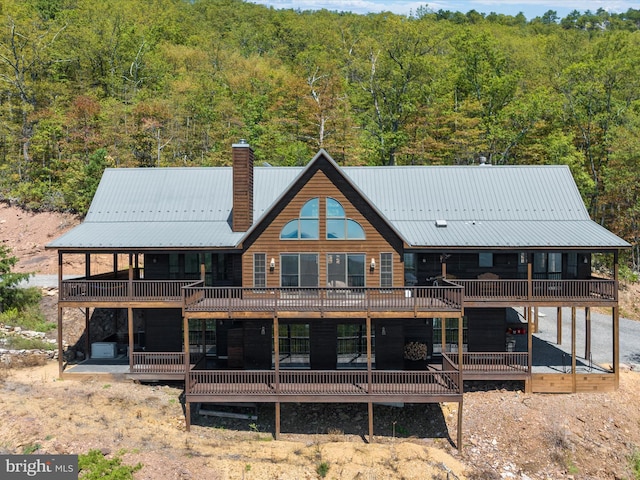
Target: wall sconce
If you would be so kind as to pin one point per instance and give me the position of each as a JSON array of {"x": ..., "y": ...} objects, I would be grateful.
[
  {"x": 272, "y": 265},
  {"x": 372, "y": 266},
  {"x": 263, "y": 331},
  {"x": 383, "y": 331}
]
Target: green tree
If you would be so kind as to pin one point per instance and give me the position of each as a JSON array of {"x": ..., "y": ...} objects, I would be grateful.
[{"x": 9, "y": 280}]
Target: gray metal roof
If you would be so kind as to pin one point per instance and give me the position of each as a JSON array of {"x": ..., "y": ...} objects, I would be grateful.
[{"x": 482, "y": 206}]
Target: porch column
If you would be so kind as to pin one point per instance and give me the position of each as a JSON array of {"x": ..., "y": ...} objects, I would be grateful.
[
  {"x": 587, "y": 333},
  {"x": 187, "y": 383},
  {"x": 87, "y": 265},
  {"x": 459, "y": 433},
  {"x": 444, "y": 267},
  {"x": 276, "y": 366},
  {"x": 443, "y": 333},
  {"x": 369, "y": 380},
  {"x": 87, "y": 333},
  {"x": 616, "y": 345},
  {"x": 529, "y": 278},
  {"x": 460, "y": 343},
  {"x": 573, "y": 349},
  {"x": 130, "y": 277},
  {"x": 115, "y": 264},
  {"x": 616, "y": 323},
  {"x": 535, "y": 319},
  {"x": 130, "y": 327},
  {"x": 203, "y": 328},
  {"x": 60, "y": 349},
  {"x": 528, "y": 383},
  {"x": 559, "y": 326}
]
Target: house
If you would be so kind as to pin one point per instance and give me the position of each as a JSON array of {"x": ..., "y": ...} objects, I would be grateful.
[{"x": 338, "y": 284}]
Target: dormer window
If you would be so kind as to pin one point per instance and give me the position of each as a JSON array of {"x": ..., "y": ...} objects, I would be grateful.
[
  {"x": 339, "y": 227},
  {"x": 306, "y": 226}
]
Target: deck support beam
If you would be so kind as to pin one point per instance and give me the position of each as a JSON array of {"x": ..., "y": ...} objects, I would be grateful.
[
  {"x": 587, "y": 333},
  {"x": 573, "y": 348},
  {"x": 459, "y": 432},
  {"x": 559, "y": 326},
  {"x": 528, "y": 387},
  {"x": 130, "y": 332},
  {"x": 277, "y": 420},
  {"x": 616, "y": 345},
  {"x": 370, "y": 415}
]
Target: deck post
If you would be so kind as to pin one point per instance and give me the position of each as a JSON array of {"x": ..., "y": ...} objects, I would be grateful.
[
  {"x": 559, "y": 326},
  {"x": 616, "y": 345},
  {"x": 276, "y": 354},
  {"x": 87, "y": 333},
  {"x": 443, "y": 328},
  {"x": 130, "y": 277},
  {"x": 459, "y": 433},
  {"x": 60, "y": 347},
  {"x": 528, "y": 383},
  {"x": 370, "y": 411},
  {"x": 535, "y": 319},
  {"x": 460, "y": 343},
  {"x": 573, "y": 349},
  {"x": 368, "y": 325},
  {"x": 587, "y": 332},
  {"x": 130, "y": 332},
  {"x": 277, "y": 420},
  {"x": 187, "y": 415}
]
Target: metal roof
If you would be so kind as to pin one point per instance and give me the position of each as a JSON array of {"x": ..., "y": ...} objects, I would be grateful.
[{"x": 481, "y": 206}]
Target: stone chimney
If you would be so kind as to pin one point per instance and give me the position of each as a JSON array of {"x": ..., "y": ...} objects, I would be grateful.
[{"x": 242, "y": 215}]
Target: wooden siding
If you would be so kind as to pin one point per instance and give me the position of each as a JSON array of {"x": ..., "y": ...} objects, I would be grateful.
[
  {"x": 323, "y": 338},
  {"x": 389, "y": 347},
  {"x": 163, "y": 330},
  {"x": 256, "y": 345},
  {"x": 269, "y": 242},
  {"x": 568, "y": 383},
  {"x": 487, "y": 329}
]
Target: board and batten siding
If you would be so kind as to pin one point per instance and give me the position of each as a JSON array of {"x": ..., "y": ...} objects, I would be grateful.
[{"x": 270, "y": 244}]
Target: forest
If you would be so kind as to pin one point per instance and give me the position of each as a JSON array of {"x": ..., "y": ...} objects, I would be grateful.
[{"x": 86, "y": 85}]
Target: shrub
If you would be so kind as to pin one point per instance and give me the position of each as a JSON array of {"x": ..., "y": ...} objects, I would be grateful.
[{"x": 94, "y": 466}]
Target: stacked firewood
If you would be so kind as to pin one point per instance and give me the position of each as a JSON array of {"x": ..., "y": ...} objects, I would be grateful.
[{"x": 415, "y": 351}]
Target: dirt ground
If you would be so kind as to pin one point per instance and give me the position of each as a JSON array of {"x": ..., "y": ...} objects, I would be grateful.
[{"x": 506, "y": 434}]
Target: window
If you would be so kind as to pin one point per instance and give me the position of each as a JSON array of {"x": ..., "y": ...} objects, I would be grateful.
[
  {"x": 192, "y": 263},
  {"x": 259, "y": 270},
  {"x": 547, "y": 266},
  {"x": 345, "y": 269},
  {"x": 299, "y": 269},
  {"x": 485, "y": 259},
  {"x": 410, "y": 270},
  {"x": 339, "y": 227},
  {"x": 386, "y": 270},
  {"x": 306, "y": 226}
]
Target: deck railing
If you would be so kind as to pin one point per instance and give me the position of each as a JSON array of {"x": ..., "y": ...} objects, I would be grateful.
[
  {"x": 123, "y": 290},
  {"x": 537, "y": 290},
  {"x": 161, "y": 362},
  {"x": 491, "y": 362},
  {"x": 323, "y": 382},
  {"x": 197, "y": 297},
  {"x": 238, "y": 299}
]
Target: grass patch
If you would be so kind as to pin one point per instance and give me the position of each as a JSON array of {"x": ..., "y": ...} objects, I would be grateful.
[
  {"x": 22, "y": 343},
  {"x": 94, "y": 466},
  {"x": 634, "y": 463},
  {"x": 322, "y": 469},
  {"x": 30, "y": 448},
  {"x": 29, "y": 317}
]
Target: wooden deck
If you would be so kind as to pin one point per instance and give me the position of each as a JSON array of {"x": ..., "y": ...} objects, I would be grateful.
[{"x": 317, "y": 386}]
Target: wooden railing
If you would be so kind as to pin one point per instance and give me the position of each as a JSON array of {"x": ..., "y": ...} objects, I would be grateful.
[
  {"x": 490, "y": 362},
  {"x": 538, "y": 290},
  {"x": 197, "y": 297},
  {"x": 238, "y": 299},
  {"x": 323, "y": 382},
  {"x": 161, "y": 362},
  {"x": 123, "y": 290}
]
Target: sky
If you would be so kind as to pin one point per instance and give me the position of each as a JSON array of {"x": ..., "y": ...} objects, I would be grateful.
[{"x": 530, "y": 8}]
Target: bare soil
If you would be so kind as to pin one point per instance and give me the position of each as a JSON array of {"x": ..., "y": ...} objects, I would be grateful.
[{"x": 507, "y": 433}]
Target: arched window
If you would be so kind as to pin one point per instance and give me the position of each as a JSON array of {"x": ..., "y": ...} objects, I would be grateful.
[
  {"x": 306, "y": 226},
  {"x": 339, "y": 227}
]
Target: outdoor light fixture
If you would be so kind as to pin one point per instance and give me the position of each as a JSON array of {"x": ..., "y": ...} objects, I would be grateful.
[
  {"x": 372, "y": 266},
  {"x": 272, "y": 264},
  {"x": 263, "y": 331},
  {"x": 384, "y": 331}
]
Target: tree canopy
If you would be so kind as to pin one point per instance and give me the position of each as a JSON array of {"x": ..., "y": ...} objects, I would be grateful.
[{"x": 150, "y": 83}]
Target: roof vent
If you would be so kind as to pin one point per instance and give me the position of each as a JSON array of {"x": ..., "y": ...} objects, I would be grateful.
[{"x": 441, "y": 223}]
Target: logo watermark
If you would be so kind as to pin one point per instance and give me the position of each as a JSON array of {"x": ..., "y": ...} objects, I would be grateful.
[{"x": 39, "y": 467}]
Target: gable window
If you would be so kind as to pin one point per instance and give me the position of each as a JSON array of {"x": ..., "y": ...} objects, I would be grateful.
[
  {"x": 306, "y": 226},
  {"x": 299, "y": 269},
  {"x": 339, "y": 227},
  {"x": 345, "y": 269}
]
